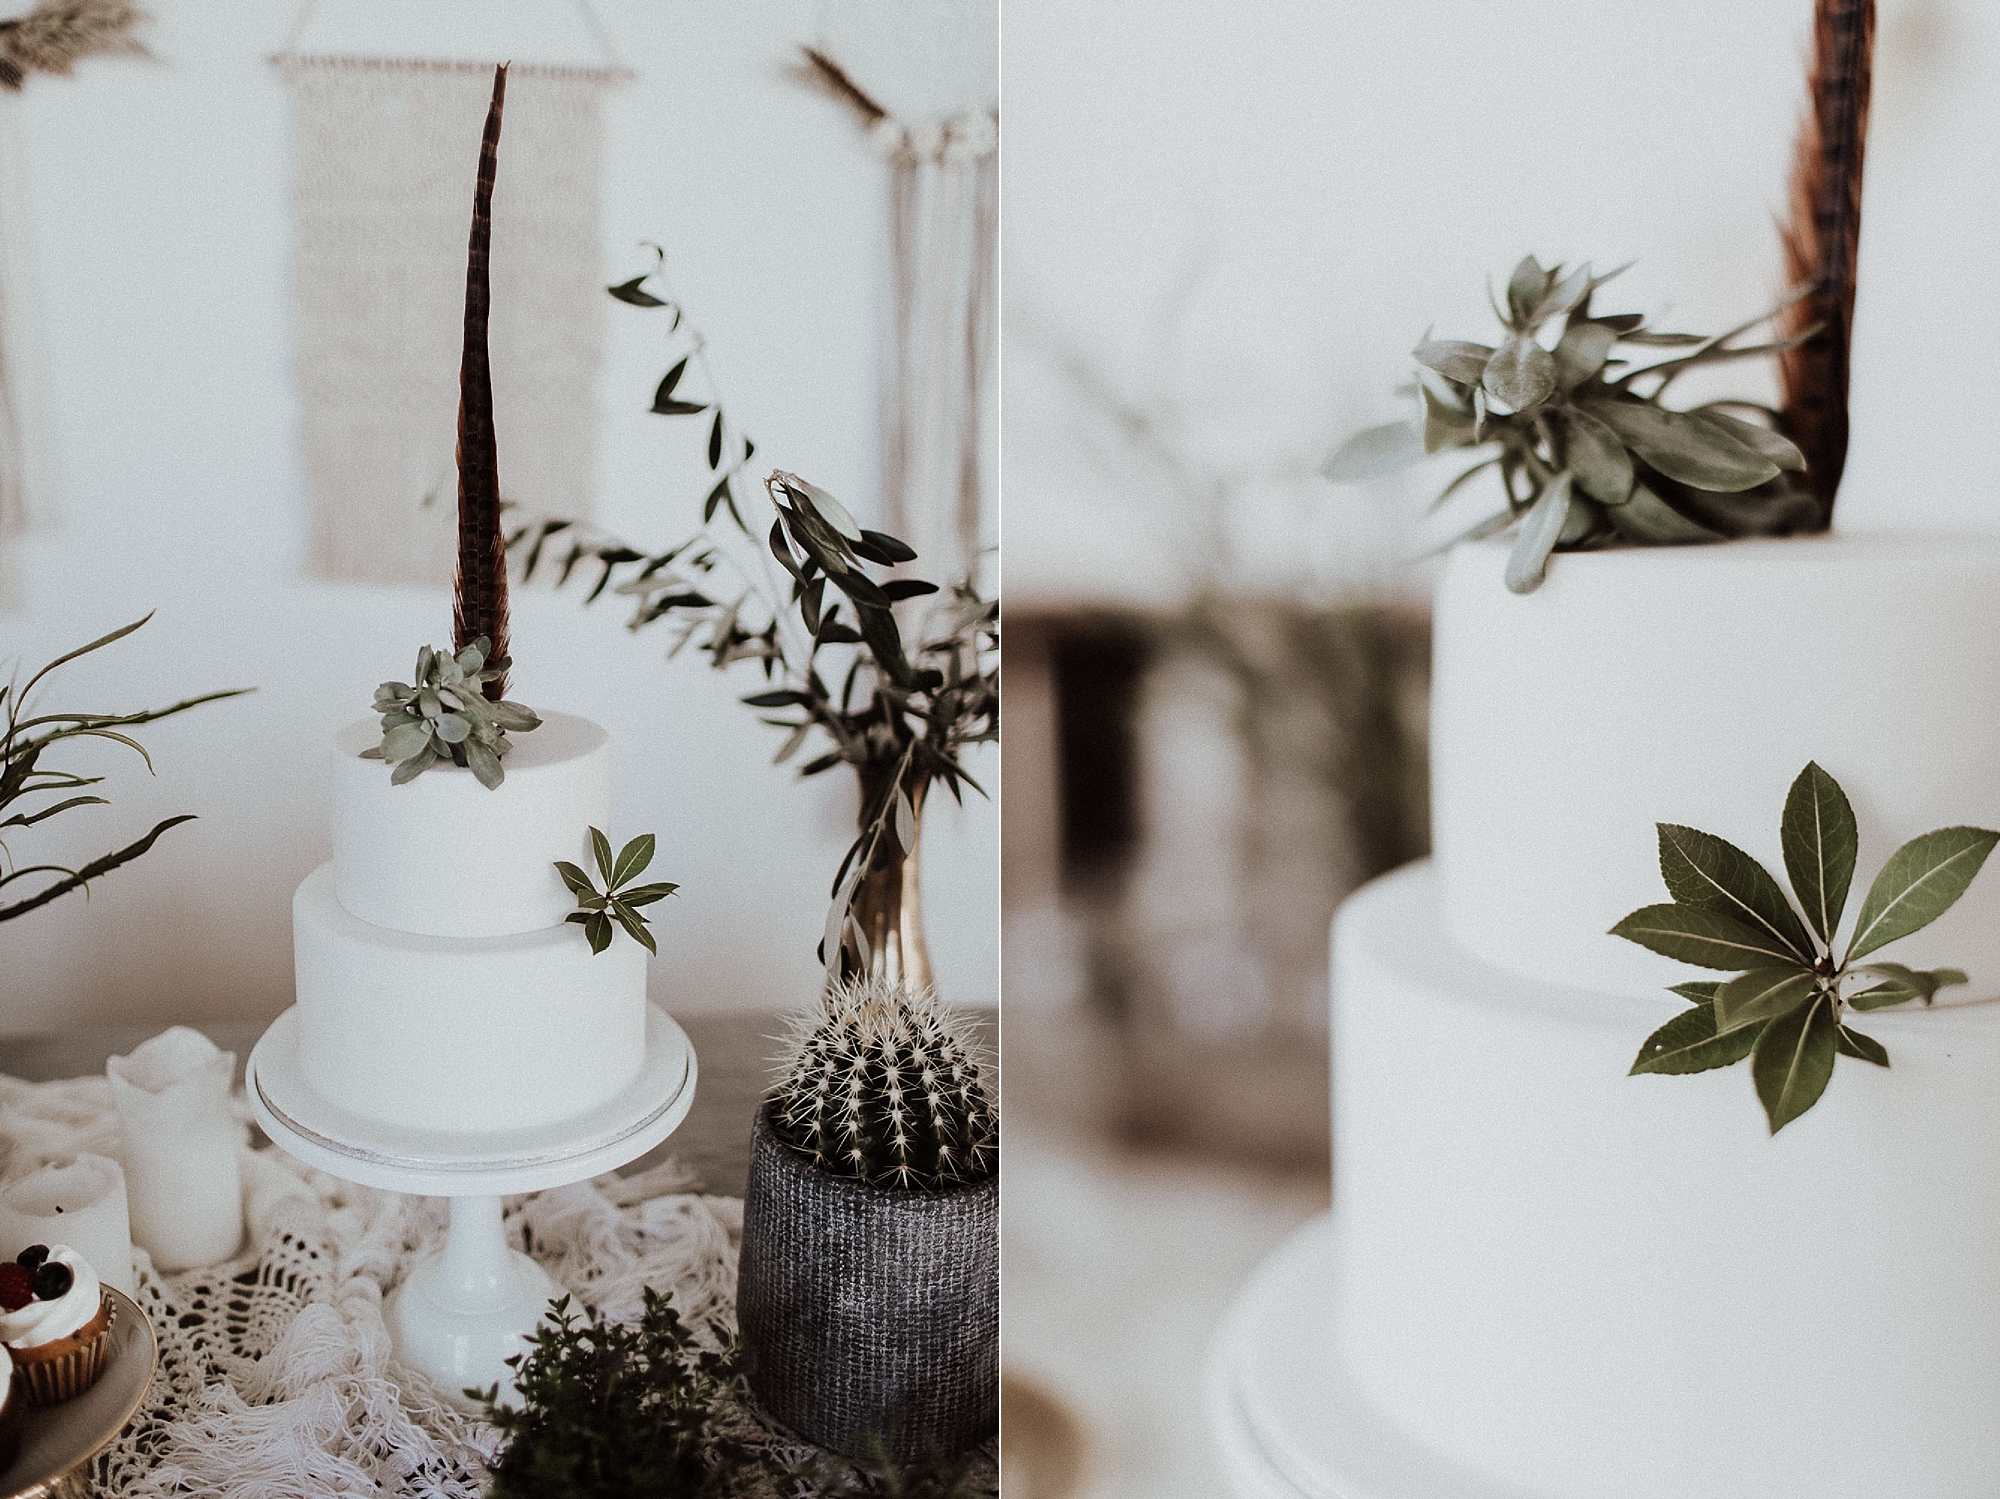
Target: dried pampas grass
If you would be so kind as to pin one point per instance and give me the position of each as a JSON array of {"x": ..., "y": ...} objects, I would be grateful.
[{"x": 57, "y": 34}]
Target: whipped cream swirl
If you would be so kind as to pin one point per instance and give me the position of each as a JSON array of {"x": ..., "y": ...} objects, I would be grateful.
[{"x": 42, "y": 1322}]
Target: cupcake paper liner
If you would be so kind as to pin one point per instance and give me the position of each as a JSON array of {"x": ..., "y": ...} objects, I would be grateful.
[{"x": 51, "y": 1381}]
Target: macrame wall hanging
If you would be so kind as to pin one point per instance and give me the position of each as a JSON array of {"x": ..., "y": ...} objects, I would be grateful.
[
  {"x": 944, "y": 192},
  {"x": 389, "y": 102},
  {"x": 49, "y": 38}
]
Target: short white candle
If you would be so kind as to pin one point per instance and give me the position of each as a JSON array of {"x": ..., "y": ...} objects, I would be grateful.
[
  {"x": 180, "y": 1148},
  {"x": 80, "y": 1203}
]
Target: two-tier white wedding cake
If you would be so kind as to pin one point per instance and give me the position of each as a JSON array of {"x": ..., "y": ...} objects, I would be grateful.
[
  {"x": 439, "y": 986},
  {"x": 1546, "y": 1279}
]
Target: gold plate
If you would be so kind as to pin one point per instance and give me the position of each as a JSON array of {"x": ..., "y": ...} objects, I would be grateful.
[{"x": 58, "y": 1440}]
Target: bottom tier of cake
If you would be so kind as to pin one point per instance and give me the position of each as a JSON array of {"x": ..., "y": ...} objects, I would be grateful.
[
  {"x": 1585, "y": 1284},
  {"x": 462, "y": 1033}
]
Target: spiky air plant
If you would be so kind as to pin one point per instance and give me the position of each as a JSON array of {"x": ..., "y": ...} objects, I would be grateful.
[
  {"x": 58, "y": 34},
  {"x": 445, "y": 718},
  {"x": 1821, "y": 238},
  {"x": 882, "y": 1086},
  {"x": 481, "y": 603},
  {"x": 1589, "y": 453}
]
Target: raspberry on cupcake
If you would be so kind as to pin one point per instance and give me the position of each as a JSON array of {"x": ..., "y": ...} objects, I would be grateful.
[{"x": 55, "y": 1321}]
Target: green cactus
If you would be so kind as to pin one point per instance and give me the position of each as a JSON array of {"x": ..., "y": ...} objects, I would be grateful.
[{"x": 882, "y": 1086}]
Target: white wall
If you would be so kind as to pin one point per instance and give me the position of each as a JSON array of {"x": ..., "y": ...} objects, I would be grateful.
[
  {"x": 156, "y": 220},
  {"x": 1254, "y": 211}
]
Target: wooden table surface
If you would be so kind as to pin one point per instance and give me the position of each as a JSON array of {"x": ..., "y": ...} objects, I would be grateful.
[{"x": 733, "y": 1052}]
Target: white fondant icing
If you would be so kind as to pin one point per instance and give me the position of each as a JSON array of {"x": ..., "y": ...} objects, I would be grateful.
[
  {"x": 444, "y": 856},
  {"x": 1690, "y": 685},
  {"x": 1585, "y": 1284},
  {"x": 462, "y": 1033},
  {"x": 42, "y": 1322}
]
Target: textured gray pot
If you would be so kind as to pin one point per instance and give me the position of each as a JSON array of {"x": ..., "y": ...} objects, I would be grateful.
[{"x": 868, "y": 1313}]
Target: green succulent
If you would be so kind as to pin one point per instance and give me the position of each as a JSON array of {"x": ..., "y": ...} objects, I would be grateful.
[
  {"x": 446, "y": 716},
  {"x": 1787, "y": 1008},
  {"x": 619, "y": 900},
  {"x": 1585, "y": 459}
]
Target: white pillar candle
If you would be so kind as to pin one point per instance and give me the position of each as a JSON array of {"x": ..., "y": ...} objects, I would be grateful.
[
  {"x": 81, "y": 1204},
  {"x": 180, "y": 1148}
]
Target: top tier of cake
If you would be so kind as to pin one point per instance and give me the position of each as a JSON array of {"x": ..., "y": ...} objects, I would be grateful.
[
  {"x": 1690, "y": 685},
  {"x": 443, "y": 856}
]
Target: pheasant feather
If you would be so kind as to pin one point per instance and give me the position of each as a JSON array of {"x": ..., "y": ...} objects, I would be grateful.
[
  {"x": 481, "y": 604},
  {"x": 1821, "y": 237}
]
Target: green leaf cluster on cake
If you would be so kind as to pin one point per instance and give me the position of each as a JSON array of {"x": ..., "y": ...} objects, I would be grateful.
[
  {"x": 619, "y": 900},
  {"x": 1786, "y": 1007},
  {"x": 1586, "y": 457}
]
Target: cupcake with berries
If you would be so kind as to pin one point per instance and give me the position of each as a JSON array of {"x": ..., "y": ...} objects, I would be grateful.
[{"x": 56, "y": 1322}]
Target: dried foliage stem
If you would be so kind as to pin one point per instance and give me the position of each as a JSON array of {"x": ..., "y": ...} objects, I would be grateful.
[
  {"x": 481, "y": 604},
  {"x": 24, "y": 739},
  {"x": 829, "y": 75},
  {"x": 1821, "y": 238}
]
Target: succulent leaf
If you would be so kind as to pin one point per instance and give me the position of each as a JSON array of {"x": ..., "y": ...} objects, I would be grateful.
[{"x": 440, "y": 718}]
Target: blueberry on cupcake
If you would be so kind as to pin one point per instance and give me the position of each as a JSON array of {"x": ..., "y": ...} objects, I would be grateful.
[{"x": 55, "y": 1321}]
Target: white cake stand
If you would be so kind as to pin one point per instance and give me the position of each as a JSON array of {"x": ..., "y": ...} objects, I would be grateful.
[
  {"x": 462, "y": 1311},
  {"x": 1285, "y": 1409}
]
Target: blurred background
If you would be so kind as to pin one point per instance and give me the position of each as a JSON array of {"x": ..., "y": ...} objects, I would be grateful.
[
  {"x": 173, "y": 411},
  {"x": 1225, "y": 228}
]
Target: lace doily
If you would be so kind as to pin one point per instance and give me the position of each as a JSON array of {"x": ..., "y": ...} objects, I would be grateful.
[{"x": 276, "y": 1379}]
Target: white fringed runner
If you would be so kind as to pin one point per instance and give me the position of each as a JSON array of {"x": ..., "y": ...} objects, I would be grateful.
[{"x": 276, "y": 1379}]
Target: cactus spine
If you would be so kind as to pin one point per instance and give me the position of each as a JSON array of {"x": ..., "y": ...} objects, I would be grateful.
[{"x": 881, "y": 1086}]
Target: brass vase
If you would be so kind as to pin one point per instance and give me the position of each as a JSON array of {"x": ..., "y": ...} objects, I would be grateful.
[{"x": 887, "y": 904}]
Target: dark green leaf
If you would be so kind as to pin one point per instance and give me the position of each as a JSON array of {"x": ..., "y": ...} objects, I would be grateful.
[
  {"x": 628, "y": 291},
  {"x": 715, "y": 441},
  {"x": 781, "y": 697},
  {"x": 1710, "y": 872},
  {"x": 1445, "y": 425},
  {"x": 1683, "y": 446},
  {"x": 600, "y": 849},
  {"x": 1820, "y": 839},
  {"x": 1762, "y": 994},
  {"x": 1697, "y": 991},
  {"x": 1883, "y": 997},
  {"x": 1454, "y": 358},
  {"x": 645, "y": 895},
  {"x": 597, "y": 927},
  {"x": 715, "y": 498},
  {"x": 1862, "y": 1048},
  {"x": 575, "y": 878},
  {"x": 1651, "y": 521},
  {"x": 679, "y": 407},
  {"x": 1760, "y": 439},
  {"x": 632, "y": 859},
  {"x": 1375, "y": 453},
  {"x": 898, "y": 589},
  {"x": 1525, "y": 288},
  {"x": 104, "y": 865},
  {"x": 635, "y": 927},
  {"x": 1923, "y": 982},
  {"x": 668, "y": 381},
  {"x": 893, "y": 552},
  {"x": 1793, "y": 1060},
  {"x": 1528, "y": 562},
  {"x": 1689, "y": 1043},
  {"x": 1597, "y": 458},
  {"x": 1919, "y": 884},
  {"x": 1707, "y": 939},
  {"x": 484, "y": 764},
  {"x": 1521, "y": 375},
  {"x": 1581, "y": 352}
]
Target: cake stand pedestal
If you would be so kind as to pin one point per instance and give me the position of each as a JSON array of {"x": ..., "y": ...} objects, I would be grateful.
[
  {"x": 463, "y": 1311},
  {"x": 1289, "y": 1417}
]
